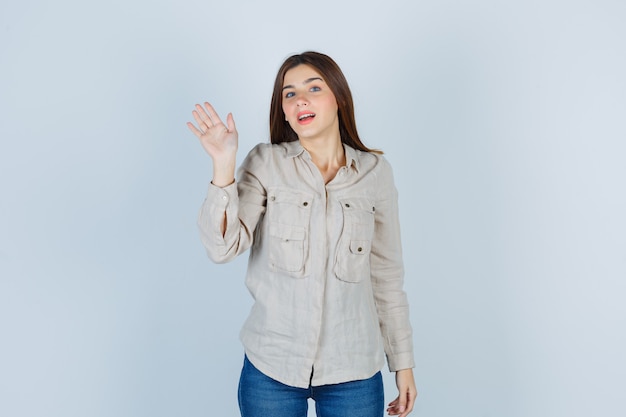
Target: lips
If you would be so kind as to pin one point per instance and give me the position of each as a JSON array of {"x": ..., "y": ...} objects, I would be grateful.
[{"x": 305, "y": 117}]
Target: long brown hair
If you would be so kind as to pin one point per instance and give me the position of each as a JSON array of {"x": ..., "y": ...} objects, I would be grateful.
[{"x": 280, "y": 131}]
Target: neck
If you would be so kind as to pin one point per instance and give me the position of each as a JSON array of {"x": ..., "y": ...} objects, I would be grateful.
[
  {"x": 328, "y": 156},
  {"x": 325, "y": 152}
]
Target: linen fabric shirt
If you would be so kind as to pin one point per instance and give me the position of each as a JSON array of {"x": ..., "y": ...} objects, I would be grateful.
[{"x": 325, "y": 266}]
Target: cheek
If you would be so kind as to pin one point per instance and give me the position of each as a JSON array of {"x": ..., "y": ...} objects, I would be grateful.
[
  {"x": 332, "y": 103},
  {"x": 285, "y": 108}
]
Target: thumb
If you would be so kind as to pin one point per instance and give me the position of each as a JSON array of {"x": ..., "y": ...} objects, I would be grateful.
[
  {"x": 230, "y": 121},
  {"x": 402, "y": 402}
]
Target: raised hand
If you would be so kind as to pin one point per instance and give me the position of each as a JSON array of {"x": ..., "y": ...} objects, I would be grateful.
[{"x": 219, "y": 140}]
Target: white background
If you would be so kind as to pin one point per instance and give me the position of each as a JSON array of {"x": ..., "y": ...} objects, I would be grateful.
[{"x": 504, "y": 121}]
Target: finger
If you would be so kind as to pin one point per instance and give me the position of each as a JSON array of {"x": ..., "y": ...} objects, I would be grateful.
[
  {"x": 230, "y": 121},
  {"x": 409, "y": 408},
  {"x": 392, "y": 409},
  {"x": 410, "y": 401},
  {"x": 194, "y": 130},
  {"x": 205, "y": 115},
  {"x": 202, "y": 125},
  {"x": 392, "y": 412},
  {"x": 401, "y": 405},
  {"x": 212, "y": 113}
]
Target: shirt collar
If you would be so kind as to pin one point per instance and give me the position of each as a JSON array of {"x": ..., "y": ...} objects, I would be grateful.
[
  {"x": 352, "y": 157},
  {"x": 294, "y": 149}
]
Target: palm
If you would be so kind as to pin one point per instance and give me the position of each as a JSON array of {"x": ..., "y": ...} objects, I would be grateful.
[{"x": 219, "y": 140}]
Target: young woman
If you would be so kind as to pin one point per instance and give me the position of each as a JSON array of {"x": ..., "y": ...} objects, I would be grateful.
[{"x": 318, "y": 210}]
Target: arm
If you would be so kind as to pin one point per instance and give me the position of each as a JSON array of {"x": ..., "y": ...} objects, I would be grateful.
[
  {"x": 231, "y": 211},
  {"x": 219, "y": 141},
  {"x": 390, "y": 298}
]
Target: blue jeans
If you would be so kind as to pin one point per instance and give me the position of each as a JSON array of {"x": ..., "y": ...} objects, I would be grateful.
[{"x": 262, "y": 396}]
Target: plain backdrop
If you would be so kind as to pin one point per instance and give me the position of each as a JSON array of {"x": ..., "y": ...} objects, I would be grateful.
[{"x": 505, "y": 122}]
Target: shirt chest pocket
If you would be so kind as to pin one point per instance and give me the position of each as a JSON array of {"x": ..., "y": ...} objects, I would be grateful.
[
  {"x": 352, "y": 260},
  {"x": 289, "y": 215}
]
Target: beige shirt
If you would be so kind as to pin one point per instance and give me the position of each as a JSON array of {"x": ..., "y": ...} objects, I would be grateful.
[{"x": 325, "y": 267}]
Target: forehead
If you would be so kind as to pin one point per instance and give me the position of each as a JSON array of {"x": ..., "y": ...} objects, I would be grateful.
[{"x": 300, "y": 74}]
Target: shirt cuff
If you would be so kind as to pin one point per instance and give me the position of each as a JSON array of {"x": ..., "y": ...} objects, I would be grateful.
[
  {"x": 221, "y": 196},
  {"x": 219, "y": 201},
  {"x": 400, "y": 361}
]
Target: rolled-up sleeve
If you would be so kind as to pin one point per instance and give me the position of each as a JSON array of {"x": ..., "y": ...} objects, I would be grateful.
[{"x": 388, "y": 277}]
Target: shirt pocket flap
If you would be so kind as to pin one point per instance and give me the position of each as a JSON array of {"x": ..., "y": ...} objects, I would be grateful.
[
  {"x": 360, "y": 247},
  {"x": 357, "y": 204},
  {"x": 289, "y": 196}
]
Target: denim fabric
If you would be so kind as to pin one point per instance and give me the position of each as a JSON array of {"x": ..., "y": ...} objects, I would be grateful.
[{"x": 262, "y": 396}]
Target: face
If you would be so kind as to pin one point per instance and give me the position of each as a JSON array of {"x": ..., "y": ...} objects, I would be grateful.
[{"x": 309, "y": 105}]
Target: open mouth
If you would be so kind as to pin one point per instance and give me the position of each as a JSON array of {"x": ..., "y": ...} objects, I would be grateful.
[{"x": 305, "y": 116}]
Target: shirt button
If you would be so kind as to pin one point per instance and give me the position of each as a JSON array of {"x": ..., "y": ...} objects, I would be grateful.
[
  {"x": 359, "y": 249},
  {"x": 347, "y": 205},
  {"x": 224, "y": 198},
  {"x": 306, "y": 203},
  {"x": 272, "y": 198}
]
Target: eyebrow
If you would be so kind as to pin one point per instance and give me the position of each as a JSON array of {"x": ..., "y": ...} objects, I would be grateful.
[{"x": 308, "y": 80}]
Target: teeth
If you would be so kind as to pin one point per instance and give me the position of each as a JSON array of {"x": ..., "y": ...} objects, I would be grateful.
[{"x": 304, "y": 116}]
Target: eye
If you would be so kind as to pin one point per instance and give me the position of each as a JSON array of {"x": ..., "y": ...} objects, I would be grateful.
[
  {"x": 316, "y": 88},
  {"x": 290, "y": 94}
]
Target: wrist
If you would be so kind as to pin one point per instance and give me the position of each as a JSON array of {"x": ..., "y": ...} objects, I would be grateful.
[
  {"x": 222, "y": 181},
  {"x": 223, "y": 174}
]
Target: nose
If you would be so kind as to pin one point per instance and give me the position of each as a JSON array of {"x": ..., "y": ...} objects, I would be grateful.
[{"x": 302, "y": 101}]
